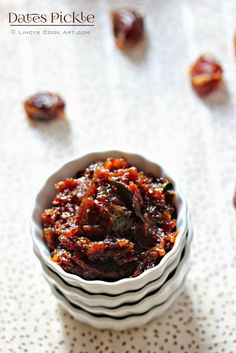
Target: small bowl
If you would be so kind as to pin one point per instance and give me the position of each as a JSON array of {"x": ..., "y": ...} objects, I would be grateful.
[
  {"x": 154, "y": 298},
  {"x": 47, "y": 193},
  {"x": 77, "y": 295},
  {"x": 127, "y": 322}
]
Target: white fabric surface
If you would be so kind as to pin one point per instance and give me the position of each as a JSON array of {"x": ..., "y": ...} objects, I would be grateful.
[{"x": 139, "y": 102}]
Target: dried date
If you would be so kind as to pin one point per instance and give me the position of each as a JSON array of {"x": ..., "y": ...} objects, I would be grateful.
[
  {"x": 206, "y": 74},
  {"x": 128, "y": 27},
  {"x": 44, "y": 106}
]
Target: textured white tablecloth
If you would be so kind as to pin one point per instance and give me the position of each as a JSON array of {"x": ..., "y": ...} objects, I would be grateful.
[{"x": 141, "y": 102}]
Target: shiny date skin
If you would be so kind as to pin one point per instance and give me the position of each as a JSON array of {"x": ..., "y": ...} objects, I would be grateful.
[
  {"x": 128, "y": 27},
  {"x": 44, "y": 106},
  {"x": 206, "y": 75}
]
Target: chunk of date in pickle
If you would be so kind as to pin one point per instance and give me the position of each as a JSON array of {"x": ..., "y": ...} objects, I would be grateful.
[
  {"x": 234, "y": 199},
  {"x": 44, "y": 106},
  {"x": 128, "y": 27},
  {"x": 205, "y": 74}
]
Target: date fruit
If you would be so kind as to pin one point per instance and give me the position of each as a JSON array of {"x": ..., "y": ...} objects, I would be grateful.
[
  {"x": 44, "y": 106},
  {"x": 205, "y": 74},
  {"x": 128, "y": 27}
]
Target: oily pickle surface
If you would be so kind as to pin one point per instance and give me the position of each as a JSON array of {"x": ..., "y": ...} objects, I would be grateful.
[{"x": 110, "y": 221}]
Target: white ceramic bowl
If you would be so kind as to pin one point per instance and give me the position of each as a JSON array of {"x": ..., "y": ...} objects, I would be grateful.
[
  {"x": 105, "y": 322},
  {"x": 46, "y": 195},
  {"x": 132, "y": 321},
  {"x": 80, "y": 297},
  {"x": 155, "y": 298}
]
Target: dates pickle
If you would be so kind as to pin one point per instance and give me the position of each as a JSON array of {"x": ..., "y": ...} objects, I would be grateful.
[
  {"x": 110, "y": 221},
  {"x": 44, "y": 106}
]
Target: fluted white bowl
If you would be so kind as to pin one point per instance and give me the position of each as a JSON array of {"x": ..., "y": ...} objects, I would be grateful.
[
  {"x": 47, "y": 193},
  {"x": 105, "y": 322},
  {"x": 155, "y": 298},
  {"x": 80, "y": 297}
]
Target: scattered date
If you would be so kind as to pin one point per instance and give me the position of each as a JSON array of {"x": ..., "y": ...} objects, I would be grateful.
[
  {"x": 44, "y": 106},
  {"x": 128, "y": 27},
  {"x": 206, "y": 74}
]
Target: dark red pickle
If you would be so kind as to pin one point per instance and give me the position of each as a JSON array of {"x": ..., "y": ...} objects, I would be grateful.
[
  {"x": 44, "y": 106},
  {"x": 111, "y": 221},
  {"x": 128, "y": 27},
  {"x": 206, "y": 75}
]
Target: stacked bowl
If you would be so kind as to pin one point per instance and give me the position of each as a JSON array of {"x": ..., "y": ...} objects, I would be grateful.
[{"x": 129, "y": 302}]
